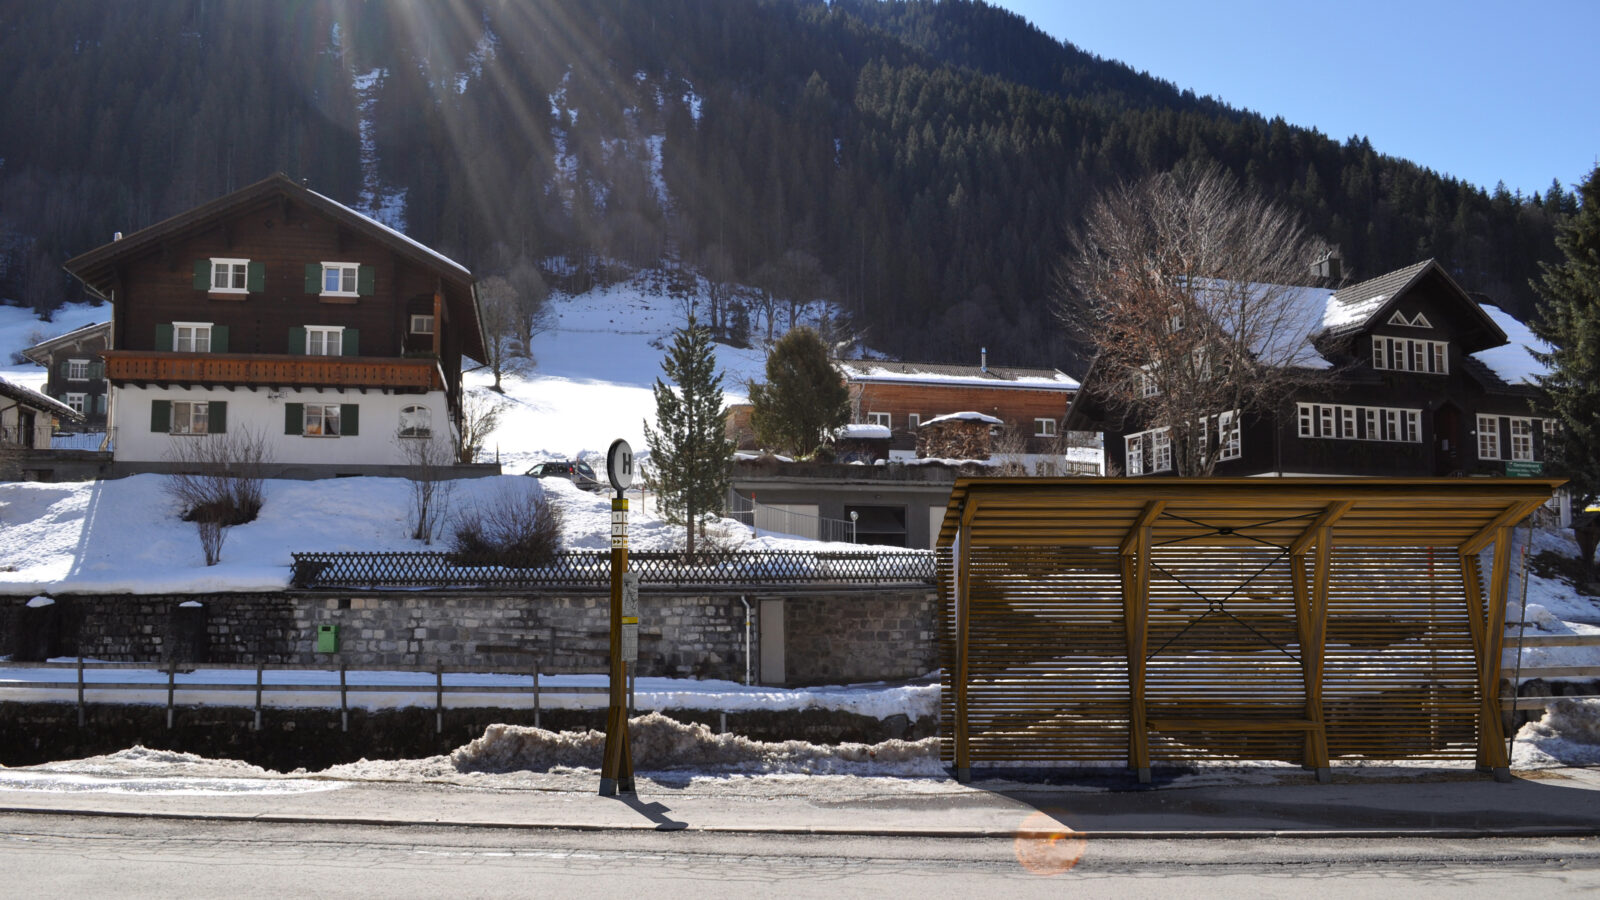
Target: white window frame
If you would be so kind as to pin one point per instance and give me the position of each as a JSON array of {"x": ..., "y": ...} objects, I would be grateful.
[
  {"x": 193, "y": 334},
  {"x": 1147, "y": 385},
  {"x": 343, "y": 273},
  {"x": 1347, "y": 422},
  {"x": 1488, "y": 437},
  {"x": 190, "y": 417},
  {"x": 1522, "y": 439},
  {"x": 422, "y": 323},
  {"x": 77, "y": 370},
  {"x": 1391, "y": 424},
  {"x": 76, "y": 400},
  {"x": 879, "y": 418},
  {"x": 416, "y": 421},
  {"x": 913, "y": 421},
  {"x": 1411, "y": 355},
  {"x": 1230, "y": 443},
  {"x": 1044, "y": 427},
  {"x": 1325, "y": 418},
  {"x": 326, "y": 424},
  {"x": 229, "y": 276},
  {"x": 330, "y": 337},
  {"x": 1161, "y": 450},
  {"x": 1133, "y": 458},
  {"x": 1413, "y": 426},
  {"x": 1308, "y": 414}
]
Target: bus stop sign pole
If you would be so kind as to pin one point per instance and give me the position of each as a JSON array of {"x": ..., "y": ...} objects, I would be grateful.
[{"x": 616, "y": 769}]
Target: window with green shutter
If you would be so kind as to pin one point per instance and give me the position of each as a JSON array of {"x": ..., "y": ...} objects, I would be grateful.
[
  {"x": 366, "y": 281},
  {"x": 294, "y": 418},
  {"x": 164, "y": 336},
  {"x": 219, "y": 416},
  {"x": 256, "y": 279},
  {"x": 161, "y": 415},
  {"x": 202, "y": 274},
  {"x": 351, "y": 343},
  {"x": 313, "y": 278},
  {"x": 350, "y": 419}
]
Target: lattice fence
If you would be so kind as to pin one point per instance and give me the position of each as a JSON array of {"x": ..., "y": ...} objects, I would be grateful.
[{"x": 592, "y": 569}]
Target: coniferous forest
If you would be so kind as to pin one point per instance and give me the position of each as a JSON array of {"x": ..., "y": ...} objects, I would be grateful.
[{"x": 920, "y": 163}]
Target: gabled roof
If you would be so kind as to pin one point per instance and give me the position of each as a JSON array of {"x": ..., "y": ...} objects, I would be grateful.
[
  {"x": 40, "y": 352},
  {"x": 1356, "y": 308},
  {"x": 877, "y": 370},
  {"x": 39, "y": 401},
  {"x": 96, "y": 268}
]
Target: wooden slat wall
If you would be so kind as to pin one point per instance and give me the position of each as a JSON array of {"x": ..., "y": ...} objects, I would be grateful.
[
  {"x": 1048, "y": 659},
  {"x": 1401, "y": 672}
]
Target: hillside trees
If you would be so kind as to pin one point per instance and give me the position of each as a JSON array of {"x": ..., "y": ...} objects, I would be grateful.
[
  {"x": 804, "y": 400},
  {"x": 690, "y": 454},
  {"x": 1569, "y": 319},
  {"x": 1179, "y": 284}
]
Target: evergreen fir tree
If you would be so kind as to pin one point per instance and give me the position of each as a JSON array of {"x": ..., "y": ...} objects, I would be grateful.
[
  {"x": 804, "y": 400},
  {"x": 1569, "y": 319},
  {"x": 690, "y": 454}
]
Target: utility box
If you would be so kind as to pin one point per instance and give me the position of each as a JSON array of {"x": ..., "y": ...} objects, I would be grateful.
[{"x": 327, "y": 639}]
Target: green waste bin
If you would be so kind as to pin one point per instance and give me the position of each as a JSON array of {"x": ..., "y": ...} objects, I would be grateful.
[{"x": 327, "y": 639}]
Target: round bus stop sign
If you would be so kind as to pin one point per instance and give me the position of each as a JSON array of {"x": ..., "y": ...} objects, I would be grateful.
[{"x": 619, "y": 465}]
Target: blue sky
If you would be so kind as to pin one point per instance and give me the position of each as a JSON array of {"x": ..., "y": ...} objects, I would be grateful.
[{"x": 1483, "y": 91}]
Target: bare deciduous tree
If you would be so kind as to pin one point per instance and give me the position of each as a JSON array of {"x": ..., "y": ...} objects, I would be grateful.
[
  {"x": 480, "y": 416},
  {"x": 430, "y": 456},
  {"x": 1183, "y": 286},
  {"x": 218, "y": 482},
  {"x": 497, "y": 310}
]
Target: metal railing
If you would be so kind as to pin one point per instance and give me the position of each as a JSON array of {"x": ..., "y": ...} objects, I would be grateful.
[
  {"x": 764, "y": 517},
  {"x": 591, "y": 569},
  {"x": 273, "y": 680}
]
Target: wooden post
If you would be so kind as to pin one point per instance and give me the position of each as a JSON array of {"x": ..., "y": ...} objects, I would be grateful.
[
  {"x": 1135, "y": 568},
  {"x": 438, "y": 697},
  {"x": 616, "y": 768},
  {"x": 963, "y": 601},
  {"x": 1314, "y": 652},
  {"x": 1491, "y": 733}
]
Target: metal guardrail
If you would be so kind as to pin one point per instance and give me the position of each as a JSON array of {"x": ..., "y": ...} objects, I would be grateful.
[
  {"x": 592, "y": 569},
  {"x": 187, "y": 681}
]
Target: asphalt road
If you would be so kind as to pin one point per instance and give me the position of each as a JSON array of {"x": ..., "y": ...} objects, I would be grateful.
[{"x": 44, "y": 856}]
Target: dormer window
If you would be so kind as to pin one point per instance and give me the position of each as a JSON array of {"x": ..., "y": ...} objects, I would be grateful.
[
  {"x": 1407, "y": 355},
  {"x": 339, "y": 279}
]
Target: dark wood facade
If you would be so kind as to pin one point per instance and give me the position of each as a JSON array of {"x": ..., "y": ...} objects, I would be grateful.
[
  {"x": 1423, "y": 405},
  {"x": 159, "y": 281}
]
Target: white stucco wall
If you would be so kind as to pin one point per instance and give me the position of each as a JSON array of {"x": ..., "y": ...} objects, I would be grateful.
[
  {"x": 10, "y": 416},
  {"x": 263, "y": 411}
]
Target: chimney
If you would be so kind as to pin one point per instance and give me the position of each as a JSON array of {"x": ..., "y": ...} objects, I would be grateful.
[
  {"x": 1327, "y": 268},
  {"x": 983, "y": 360},
  {"x": 116, "y": 236}
]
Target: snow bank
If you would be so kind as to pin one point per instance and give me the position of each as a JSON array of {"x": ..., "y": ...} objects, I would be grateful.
[
  {"x": 663, "y": 744},
  {"x": 1568, "y": 735}
]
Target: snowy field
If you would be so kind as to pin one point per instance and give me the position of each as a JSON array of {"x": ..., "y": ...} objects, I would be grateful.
[{"x": 589, "y": 384}]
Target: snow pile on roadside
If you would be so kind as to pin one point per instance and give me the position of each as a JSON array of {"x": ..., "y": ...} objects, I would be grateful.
[
  {"x": 1568, "y": 735},
  {"x": 140, "y": 770},
  {"x": 663, "y": 744}
]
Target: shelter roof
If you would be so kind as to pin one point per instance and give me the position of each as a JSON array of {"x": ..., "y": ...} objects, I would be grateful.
[{"x": 1461, "y": 514}]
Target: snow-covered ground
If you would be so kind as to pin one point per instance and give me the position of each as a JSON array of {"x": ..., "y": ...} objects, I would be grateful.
[{"x": 590, "y": 383}]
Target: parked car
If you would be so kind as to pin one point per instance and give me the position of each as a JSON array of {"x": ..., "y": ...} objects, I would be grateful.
[{"x": 575, "y": 471}]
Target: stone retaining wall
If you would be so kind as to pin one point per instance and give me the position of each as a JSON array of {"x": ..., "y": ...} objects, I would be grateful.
[{"x": 841, "y": 637}]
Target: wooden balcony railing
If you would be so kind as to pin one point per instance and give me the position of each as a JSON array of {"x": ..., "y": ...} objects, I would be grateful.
[{"x": 273, "y": 371}]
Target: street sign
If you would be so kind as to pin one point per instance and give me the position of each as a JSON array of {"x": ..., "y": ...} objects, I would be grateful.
[
  {"x": 1524, "y": 469},
  {"x": 630, "y": 616},
  {"x": 619, "y": 465}
]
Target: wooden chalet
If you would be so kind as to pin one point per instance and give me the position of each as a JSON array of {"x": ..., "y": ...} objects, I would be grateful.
[
  {"x": 28, "y": 418},
  {"x": 1419, "y": 378},
  {"x": 77, "y": 372},
  {"x": 901, "y": 396},
  {"x": 279, "y": 310}
]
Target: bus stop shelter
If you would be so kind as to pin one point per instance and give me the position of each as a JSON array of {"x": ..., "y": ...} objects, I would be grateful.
[{"x": 1120, "y": 621}]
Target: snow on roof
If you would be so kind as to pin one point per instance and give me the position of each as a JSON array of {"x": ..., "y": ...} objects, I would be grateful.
[
  {"x": 1339, "y": 314},
  {"x": 34, "y": 398},
  {"x": 967, "y": 416},
  {"x": 1513, "y": 362},
  {"x": 864, "y": 431},
  {"x": 379, "y": 225},
  {"x": 948, "y": 374},
  {"x": 1285, "y": 342}
]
